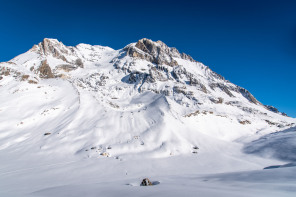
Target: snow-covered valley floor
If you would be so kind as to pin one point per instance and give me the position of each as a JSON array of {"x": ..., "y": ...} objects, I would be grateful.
[{"x": 174, "y": 176}]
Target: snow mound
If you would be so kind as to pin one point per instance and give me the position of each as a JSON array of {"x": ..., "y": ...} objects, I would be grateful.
[{"x": 280, "y": 145}]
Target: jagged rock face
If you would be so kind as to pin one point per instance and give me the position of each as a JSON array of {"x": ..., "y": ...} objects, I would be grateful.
[
  {"x": 248, "y": 95},
  {"x": 223, "y": 87},
  {"x": 156, "y": 75},
  {"x": 156, "y": 52},
  {"x": 52, "y": 47},
  {"x": 187, "y": 57},
  {"x": 160, "y": 54}
]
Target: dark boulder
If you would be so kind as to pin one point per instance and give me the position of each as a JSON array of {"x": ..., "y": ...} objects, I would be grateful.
[{"x": 146, "y": 182}]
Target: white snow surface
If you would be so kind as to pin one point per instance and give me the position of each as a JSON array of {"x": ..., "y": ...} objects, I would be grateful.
[{"x": 100, "y": 128}]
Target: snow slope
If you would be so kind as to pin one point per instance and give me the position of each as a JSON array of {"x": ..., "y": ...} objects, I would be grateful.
[
  {"x": 93, "y": 120},
  {"x": 281, "y": 145}
]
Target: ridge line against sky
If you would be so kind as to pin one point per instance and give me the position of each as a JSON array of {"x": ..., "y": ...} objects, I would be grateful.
[{"x": 251, "y": 43}]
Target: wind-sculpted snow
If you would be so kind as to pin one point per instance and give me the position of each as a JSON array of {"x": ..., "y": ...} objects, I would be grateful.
[{"x": 280, "y": 145}]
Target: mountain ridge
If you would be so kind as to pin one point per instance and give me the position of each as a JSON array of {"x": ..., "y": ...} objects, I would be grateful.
[
  {"x": 47, "y": 46},
  {"x": 147, "y": 94}
]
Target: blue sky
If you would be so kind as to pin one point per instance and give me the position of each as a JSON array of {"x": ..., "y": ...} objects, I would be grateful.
[{"x": 251, "y": 43}]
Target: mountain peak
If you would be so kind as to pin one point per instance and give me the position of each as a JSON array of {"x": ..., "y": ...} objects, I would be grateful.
[
  {"x": 51, "y": 40},
  {"x": 50, "y": 46},
  {"x": 155, "y": 52},
  {"x": 147, "y": 42}
]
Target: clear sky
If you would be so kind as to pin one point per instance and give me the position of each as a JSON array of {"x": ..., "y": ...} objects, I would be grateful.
[{"x": 252, "y": 43}]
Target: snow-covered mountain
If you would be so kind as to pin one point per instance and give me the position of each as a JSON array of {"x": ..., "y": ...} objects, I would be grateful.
[
  {"x": 144, "y": 98},
  {"x": 94, "y": 121}
]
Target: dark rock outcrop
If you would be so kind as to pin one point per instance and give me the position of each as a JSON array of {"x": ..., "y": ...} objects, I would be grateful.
[
  {"x": 155, "y": 75},
  {"x": 271, "y": 108},
  {"x": 25, "y": 77},
  {"x": 66, "y": 67},
  {"x": 137, "y": 77},
  {"x": 248, "y": 95},
  {"x": 218, "y": 100},
  {"x": 275, "y": 110},
  {"x": 45, "y": 71},
  {"x": 243, "y": 122},
  {"x": 223, "y": 87},
  {"x": 79, "y": 63},
  {"x": 195, "y": 82}
]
